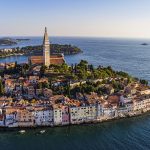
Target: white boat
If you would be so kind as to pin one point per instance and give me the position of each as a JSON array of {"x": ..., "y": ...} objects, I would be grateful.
[
  {"x": 42, "y": 131},
  {"x": 22, "y": 131}
]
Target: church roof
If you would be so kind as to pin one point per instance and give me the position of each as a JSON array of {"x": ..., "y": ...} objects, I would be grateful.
[{"x": 54, "y": 59}]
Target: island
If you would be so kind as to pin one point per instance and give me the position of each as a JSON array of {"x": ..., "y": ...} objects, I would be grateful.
[
  {"x": 7, "y": 42},
  {"x": 60, "y": 95},
  {"x": 37, "y": 50},
  {"x": 11, "y": 41},
  {"x": 54, "y": 49}
]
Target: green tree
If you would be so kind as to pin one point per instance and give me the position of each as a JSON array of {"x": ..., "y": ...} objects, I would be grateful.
[
  {"x": 42, "y": 70},
  {"x": 145, "y": 82},
  {"x": 1, "y": 88}
]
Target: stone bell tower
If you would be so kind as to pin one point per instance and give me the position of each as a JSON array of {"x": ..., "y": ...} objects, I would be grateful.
[{"x": 46, "y": 49}]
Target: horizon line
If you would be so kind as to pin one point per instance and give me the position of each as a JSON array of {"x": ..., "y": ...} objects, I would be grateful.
[{"x": 76, "y": 36}]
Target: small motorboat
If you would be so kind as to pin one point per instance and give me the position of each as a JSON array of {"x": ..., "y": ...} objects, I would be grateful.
[
  {"x": 42, "y": 131},
  {"x": 22, "y": 131}
]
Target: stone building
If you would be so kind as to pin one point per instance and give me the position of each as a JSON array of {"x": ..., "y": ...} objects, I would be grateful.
[{"x": 47, "y": 58}]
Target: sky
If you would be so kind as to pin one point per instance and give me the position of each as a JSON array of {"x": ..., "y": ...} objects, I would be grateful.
[{"x": 91, "y": 18}]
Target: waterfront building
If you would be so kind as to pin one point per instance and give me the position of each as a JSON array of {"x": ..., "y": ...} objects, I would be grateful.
[
  {"x": 47, "y": 58},
  {"x": 99, "y": 111},
  {"x": 57, "y": 109},
  {"x": 129, "y": 106},
  {"x": 43, "y": 116},
  {"x": 65, "y": 115},
  {"x": 138, "y": 104},
  {"x": 10, "y": 119},
  {"x": 147, "y": 103},
  {"x": 141, "y": 103},
  {"x": 144, "y": 91},
  {"x": 110, "y": 106},
  {"x": 82, "y": 114},
  {"x": 1, "y": 118},
  {"x": 107, "y": 111},
  {"x": 25, "y": 117}
]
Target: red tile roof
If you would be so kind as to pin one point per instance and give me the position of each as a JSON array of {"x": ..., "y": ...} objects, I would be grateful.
[
  {"x": 54, "y": 59},
  {"x": 113, "y": 99}
]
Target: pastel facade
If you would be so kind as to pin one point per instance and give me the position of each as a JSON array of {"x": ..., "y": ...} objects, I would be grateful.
[
  {"x": 11, "y": 117},
  {"x": 25, "y": 118},
  {"x": 57, "y": 115},
  {"x": 138, "y": 105},
  {"x": 145, "y": 91},
  {"x": 108, "y": 112},
  {"x": 82, "y": 114},
  {"x": 141, "y": 104},
  {"x": 65, "y": 115},
  {"x": 1, "y": 118},
  {"x": 99, "y": 111},
  {"x": 43, "y": 116}
]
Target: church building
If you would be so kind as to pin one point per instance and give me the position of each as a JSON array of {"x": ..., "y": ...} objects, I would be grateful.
[{"x": 47, "y": 58}]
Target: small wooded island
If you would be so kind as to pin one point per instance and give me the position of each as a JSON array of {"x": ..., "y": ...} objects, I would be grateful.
[
  {"x": 7, "y": 41},
  {"x": 55, "y": 49},
  {"x": 37, "y": 50},
  {"x": 10, "y": 41}
]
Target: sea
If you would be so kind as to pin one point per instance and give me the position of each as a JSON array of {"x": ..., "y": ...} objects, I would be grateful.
[{"x": 122, "y": 54}]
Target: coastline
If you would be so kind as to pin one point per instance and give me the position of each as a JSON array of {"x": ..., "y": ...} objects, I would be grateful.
[
  {"x": 12, "y": 55},
  {"x": 31, "y": 55},
  {"x": 37, "y": 50},
  {"x": 138, "y": 114}
]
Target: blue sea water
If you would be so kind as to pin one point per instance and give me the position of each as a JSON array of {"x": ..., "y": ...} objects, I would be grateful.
[
  {"x": 122, "y": 54},
  {"x": 134, "y": 133}
]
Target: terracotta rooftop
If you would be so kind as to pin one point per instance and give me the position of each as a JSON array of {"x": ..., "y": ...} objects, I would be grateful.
[
  {"x": 54, "y": 59},
  {"x": 113, "y": 99}
]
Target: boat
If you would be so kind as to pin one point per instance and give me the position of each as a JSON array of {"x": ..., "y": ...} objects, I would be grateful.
[
  {"x": 22, "y": 131},
  {"x": 42, "y": 131}
]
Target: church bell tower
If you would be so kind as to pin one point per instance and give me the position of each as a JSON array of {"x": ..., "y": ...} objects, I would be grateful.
[{"x": 46, "y": 49}]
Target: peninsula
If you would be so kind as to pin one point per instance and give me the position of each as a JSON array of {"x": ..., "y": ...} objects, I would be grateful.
[
  {"x": 37, "y": 50},
  {"x": 52, "y": 93}
]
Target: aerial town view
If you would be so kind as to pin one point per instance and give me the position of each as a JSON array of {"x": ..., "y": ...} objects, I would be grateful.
[{"x": 79, "y": 88}]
